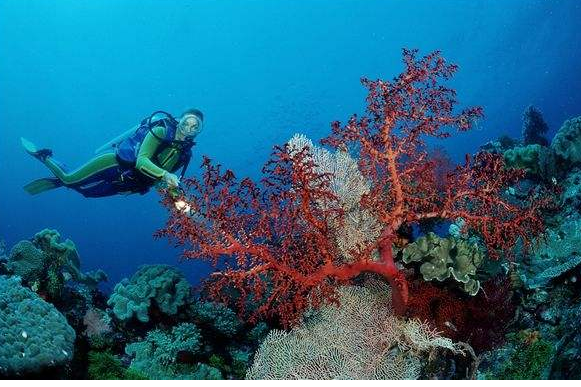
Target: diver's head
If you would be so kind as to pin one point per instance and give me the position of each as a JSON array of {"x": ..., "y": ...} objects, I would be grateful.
[{"x": 191, "y": 123}]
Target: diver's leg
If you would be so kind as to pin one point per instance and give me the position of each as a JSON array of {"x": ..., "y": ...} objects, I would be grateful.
[
  {"x": 88, "y": 170},
  {"x": 91, "y": 168}
]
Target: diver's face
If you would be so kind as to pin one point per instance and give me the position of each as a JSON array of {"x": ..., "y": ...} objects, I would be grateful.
[{"x": 190, "y": 125}]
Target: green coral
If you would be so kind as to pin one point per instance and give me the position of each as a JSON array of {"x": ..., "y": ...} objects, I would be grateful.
[
  {"x": 26, "y": 261},
  {"x": 206, "y": 372},
  {"x": 65, "y": 252},
  {"x": 100, "y": 342},
  {"x": 238, "y": 365},
  {"x": 530, "y": 361},
  {"x": 64, "y": 258},
  {"x": 106, "y": 366},
  {"x": 567, "y": 142},
  {"x": 257, "y": 334},
  {"x": 158, "y": 355},
  {"x": 217, "y": 317},
  {"x": 46, "y": 263},
  {"x": 557, "y": 253},
  {"x": 444, "y": 258},
  {"x": 162, "y": 284},
  {"x": 33, "y": 334},
  {"x": 535, "y": 159},
  {"x": 240, "y": 362}
]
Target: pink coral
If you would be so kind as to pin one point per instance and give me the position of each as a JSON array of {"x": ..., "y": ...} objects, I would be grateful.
[{"x": 96, "y": 322}]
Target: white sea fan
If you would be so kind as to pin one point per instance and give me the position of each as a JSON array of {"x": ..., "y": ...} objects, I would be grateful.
[
  {"x": 359, "y": 339},
  {"x": 359, "y": 227}
]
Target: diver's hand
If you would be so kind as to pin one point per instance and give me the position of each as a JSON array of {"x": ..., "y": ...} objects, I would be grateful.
[
  {"x": 183, "y": 206},
  {"x": 170, "y": 179}
]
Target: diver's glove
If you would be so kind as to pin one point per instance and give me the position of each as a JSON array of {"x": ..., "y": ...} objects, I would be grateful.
[
  {"x": 183, "y": 206},
  {"x": 177, "y": 195},
  {"x": 170, "y": 179}
]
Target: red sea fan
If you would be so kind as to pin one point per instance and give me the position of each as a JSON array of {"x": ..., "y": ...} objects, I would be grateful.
[
  {"x": 480, "y": 321},
  {"x": 274, "y": 243}
]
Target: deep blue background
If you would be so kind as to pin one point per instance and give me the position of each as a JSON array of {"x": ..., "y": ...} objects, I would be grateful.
[{"x": 75, "y": 73}]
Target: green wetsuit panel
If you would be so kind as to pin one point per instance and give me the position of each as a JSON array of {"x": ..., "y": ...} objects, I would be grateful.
[
  {"x": 153, "y": 163},
  {"x": 150, "y": 161},
  {"x": 94, "y": 166}
]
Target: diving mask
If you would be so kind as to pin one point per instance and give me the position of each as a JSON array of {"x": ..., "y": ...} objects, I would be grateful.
[{"x": 190, "y": 125}]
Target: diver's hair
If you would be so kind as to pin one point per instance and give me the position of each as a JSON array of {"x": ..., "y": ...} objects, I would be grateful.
[{"x": 195, "y": 112}]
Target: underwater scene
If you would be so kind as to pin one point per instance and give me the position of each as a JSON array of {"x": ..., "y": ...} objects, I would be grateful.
[{"x": 273, "y": 189}]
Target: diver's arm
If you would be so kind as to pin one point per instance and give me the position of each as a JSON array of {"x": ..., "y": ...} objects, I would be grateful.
[{"x": 146, "y": 153}]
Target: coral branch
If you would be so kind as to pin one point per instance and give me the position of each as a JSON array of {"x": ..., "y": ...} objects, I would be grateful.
[{"x": 279, "y": 243}]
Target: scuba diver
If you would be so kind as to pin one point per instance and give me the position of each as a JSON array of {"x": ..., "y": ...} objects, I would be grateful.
[{"x": 133, "y": 162}]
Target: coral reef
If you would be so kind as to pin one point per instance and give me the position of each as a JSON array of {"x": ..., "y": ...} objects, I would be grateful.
[
  {"x": 571, "y": 194},
  {"x": 216, "y": 317},
  {"x": 106, "y": 366},
  {"x": 161, "y": 285},
  {"x": 164, "y": 355},
  {"x": 46, "y": 263},
  {"x": 567, "y": 142},
  {"x": 535, "y": 159},
  {"x": 534, "y": 127},
  {"x": 528, "y": 359},
  {"x": 33, "y": 334},
  {"x": 545, "y": 334},
  {"x": 558, "y": 253},
  {"x": 336, "y": 264},
  {"x": 360, "y": 339},
  {"x": 277, "y": 243}
]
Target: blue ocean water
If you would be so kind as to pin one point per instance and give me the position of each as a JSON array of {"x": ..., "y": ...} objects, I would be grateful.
[{"x": 75, "y": 73}]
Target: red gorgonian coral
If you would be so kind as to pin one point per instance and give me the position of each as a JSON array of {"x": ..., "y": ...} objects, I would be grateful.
[
  {"x": 275, "y": 243},
  {"x": 481, "y": 321}
]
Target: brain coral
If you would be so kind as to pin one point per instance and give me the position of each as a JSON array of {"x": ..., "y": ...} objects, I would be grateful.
[
  {"x": 33, "y": 334},
  {"x": 163, "y": 284}
]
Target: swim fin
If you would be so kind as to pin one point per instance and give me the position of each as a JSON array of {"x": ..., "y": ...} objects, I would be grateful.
[
  {"x": 42, "y": 185},
  {"x": 32, "y": 150}
]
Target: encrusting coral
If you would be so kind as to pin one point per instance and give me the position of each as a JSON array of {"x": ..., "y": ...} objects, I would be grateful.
[{"x": 26, "y": 261}]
